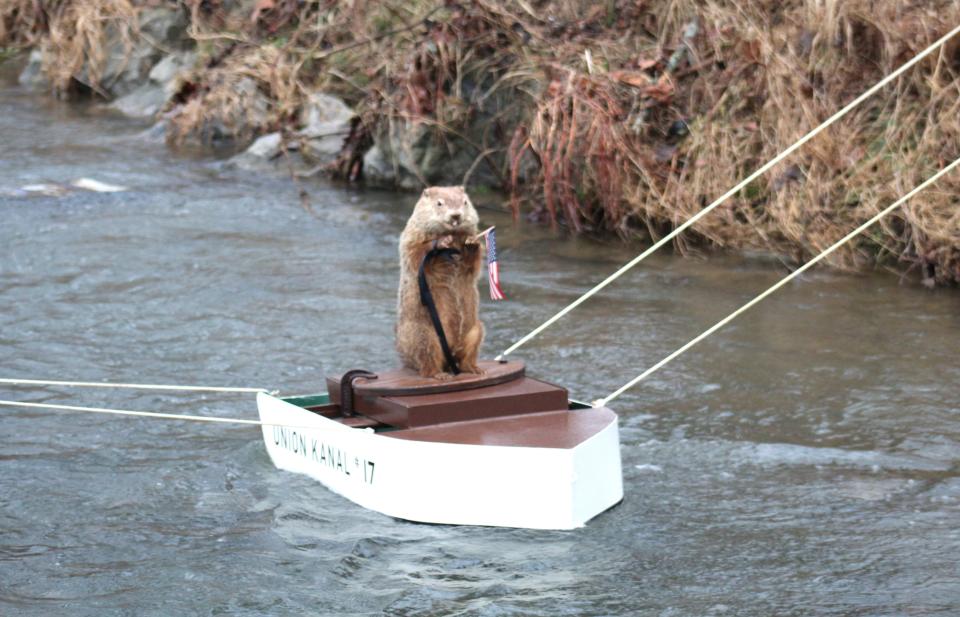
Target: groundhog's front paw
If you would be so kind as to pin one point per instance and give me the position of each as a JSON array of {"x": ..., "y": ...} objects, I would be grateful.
[
  {"x": 443, "y": 376},
  {"x": 445, "y": 242},
  {"x": 473, "y": 370}
]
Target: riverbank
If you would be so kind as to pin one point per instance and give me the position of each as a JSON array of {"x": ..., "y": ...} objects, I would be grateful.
[{"x": 602, "y": 118}]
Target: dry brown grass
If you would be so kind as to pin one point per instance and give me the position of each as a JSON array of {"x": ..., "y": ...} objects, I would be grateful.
[
  {"x": 618, "y": 116},
  {"x": 71, "y": 34},
  {"x": 74, "y": 47},
  {"x": 251, "y": 79},
  {"x": 22, "y": 23},
  {"x": 250, "y": 91},
  {"x": 752, "y": 79}
]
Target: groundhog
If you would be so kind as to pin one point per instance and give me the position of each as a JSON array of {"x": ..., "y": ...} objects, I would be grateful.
[{"x": 442, "y": 218}]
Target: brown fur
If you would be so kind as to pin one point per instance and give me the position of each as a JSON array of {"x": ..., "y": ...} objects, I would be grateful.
[{"x": 446, "y": 216}]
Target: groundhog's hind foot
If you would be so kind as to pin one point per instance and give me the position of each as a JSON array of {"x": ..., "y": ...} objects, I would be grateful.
[{"x": 443, "y": 376}]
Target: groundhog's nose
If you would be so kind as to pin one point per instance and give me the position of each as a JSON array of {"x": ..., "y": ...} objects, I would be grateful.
[{"x": 454, "y": 218}]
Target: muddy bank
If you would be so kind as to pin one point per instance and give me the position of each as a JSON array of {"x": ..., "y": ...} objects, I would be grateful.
[{"x": 616, "y": 118}]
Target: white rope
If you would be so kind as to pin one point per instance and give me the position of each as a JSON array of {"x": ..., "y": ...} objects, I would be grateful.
[
  {"x": 736, "y": 189},
  {"x": 602, "y": 402},
  {"x": 147, "y": 414},
  {"x": 137, "y": 386}
]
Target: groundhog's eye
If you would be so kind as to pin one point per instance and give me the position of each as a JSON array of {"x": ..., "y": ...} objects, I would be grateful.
[{"x": 439, "y": 203}]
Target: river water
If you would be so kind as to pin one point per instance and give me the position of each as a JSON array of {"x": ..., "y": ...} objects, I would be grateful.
[{"x": 803, "y": 461}]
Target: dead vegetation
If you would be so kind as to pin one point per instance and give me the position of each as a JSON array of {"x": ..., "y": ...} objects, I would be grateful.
[
  {"x": 623, "y": 117},
  {"x": 74, "y": 49},
  {"x": 71, "y": 35},
  {"x": 22, "y": 23},
  {"x": 237, "y": 97}
]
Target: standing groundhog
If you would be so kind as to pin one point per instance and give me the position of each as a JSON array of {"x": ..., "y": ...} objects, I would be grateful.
[{"x": 443, "y": 218}]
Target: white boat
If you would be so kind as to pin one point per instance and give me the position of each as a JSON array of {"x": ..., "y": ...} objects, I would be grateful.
[{"x": 494, "y": 450}]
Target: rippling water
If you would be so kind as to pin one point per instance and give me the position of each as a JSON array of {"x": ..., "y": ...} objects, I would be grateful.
[{"x": 804, "y": 461}]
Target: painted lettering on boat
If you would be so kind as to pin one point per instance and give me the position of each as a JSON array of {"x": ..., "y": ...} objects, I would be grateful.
[{"x": 325, "y": 454}]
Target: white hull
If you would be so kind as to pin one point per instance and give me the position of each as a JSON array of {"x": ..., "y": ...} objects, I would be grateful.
[{"x": 431, "y": 482}]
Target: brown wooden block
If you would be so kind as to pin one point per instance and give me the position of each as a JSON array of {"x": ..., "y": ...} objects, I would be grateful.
[{"x": 519, "y": 396}]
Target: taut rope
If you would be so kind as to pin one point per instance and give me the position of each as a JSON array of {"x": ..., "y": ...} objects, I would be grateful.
[
  {"x": 778, "y": 285},
  {"x": 736, "y": 189},
  {"x": 148, "y": 414},
  {"x": 136, "y": 386}
]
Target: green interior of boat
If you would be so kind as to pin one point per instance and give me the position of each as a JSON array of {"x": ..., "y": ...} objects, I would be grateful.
[{"x": 308, "y": 400}]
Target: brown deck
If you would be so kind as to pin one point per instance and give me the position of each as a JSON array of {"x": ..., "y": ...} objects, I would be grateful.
[
  {"x": 501, "y": 408},
  {"x": 404, "y": 382},
  {"x": 552, "y": 429}
]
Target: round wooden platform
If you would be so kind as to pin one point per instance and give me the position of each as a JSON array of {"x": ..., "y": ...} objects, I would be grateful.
[{"x": 404, "y": 382}]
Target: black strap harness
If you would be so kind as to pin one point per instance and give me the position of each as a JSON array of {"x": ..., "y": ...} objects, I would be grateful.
[{"x": 426, "y": 298}]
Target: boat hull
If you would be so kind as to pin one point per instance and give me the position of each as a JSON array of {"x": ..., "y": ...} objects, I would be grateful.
[{"x": 449, "y": 483}]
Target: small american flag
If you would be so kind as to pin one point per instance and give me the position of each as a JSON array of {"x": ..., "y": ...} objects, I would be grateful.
[{"x": 493, "y": 268}]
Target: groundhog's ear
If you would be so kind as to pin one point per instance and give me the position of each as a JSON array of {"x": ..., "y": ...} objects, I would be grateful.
[{"x": 428, "y": 192}]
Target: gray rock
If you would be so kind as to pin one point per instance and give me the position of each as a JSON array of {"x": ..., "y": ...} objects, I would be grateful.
[
  {"x": 263, "y": 154},
  {"x": 148, "y": 99},
  {"x": 127, "y": 68},
  {"x": 322, "y": 113},
  {"x": 144, "y": 102},
  {"x": 253, "y": 102},
  {"x": 377, "y": 170},
  {"x": 247, "y": 117},
  {"x": 326, "y": 121},
  {"x": 168, "y": 71},
  {"x": 165, "y": 27},
  {"x": 266, "y": 147},
  {"x": 409, "y": 154},
  {"x": 32, "y": 75}
]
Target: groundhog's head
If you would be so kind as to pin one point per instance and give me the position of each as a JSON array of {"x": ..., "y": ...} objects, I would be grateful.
[{"x": 444, "y": 210}]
